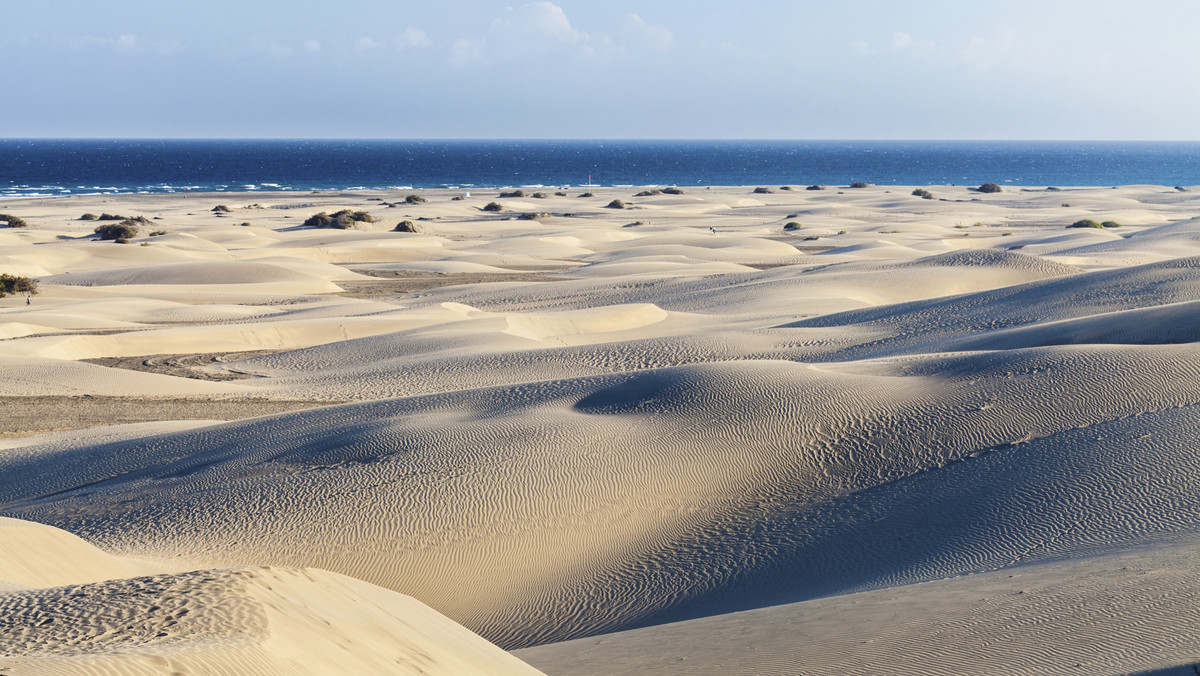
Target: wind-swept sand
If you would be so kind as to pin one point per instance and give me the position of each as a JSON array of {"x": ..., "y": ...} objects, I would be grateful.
[{"x": 913, "y": 436}]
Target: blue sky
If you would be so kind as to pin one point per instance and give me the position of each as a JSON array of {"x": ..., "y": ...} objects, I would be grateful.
[{"x": 616, "y": 69}]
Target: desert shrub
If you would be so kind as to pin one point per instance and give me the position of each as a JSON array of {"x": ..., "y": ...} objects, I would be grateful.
[
  {"x": 811, "y": 238},
  {"x": 342, "y": 220},
  {"x": 14, "y": 284},
  {"x": 493, "y": 206},
  {"x": 514, "y": 193},
  {"x": 615, "y": 204},
  {"x": 321, "y": 220},
  {"x": 923, "y": 193},
  {"x": 414, "y": 199},
  {"x": 112, "y": 217},
  {"x": 117, "y": 231},
  {"x": 588, "y": 194},
  {"x": 1181, "y": 188},
  {"x": 1110, "y": 224},
  {"x": 456, "y": 198},
  {"x": 13, "y": 221},
  {"x": 221, "y": 209},
  {"x": 763, "y": 191},
  {"x": 121, "y": 240},
  {"x": 841, "y": 232},
  {"x": 815, "y": 187},
  {"x": 648, "y": 193},
  {"x": 989, "y": 187},
  {"x": 244, "y": 224},
  {"x": 785, "y": 187},
  {"x": 672, "y": 191},
  {"x": 1085, "y": 223},
  {"x": 157, "y": 233},
  {"x": 88, "y": 217},
  {"x": 539, "y": 195},
  {"x": 1006, "y": 234},
  {"x": 792, "y": 225},
  {"x": 858, "y": 184},
  {"x": 534, "y": 215},
  {"x": 405, "y": 226},
  {"x": 1051, "y": 188},
  {"x": 560, "y": 194}
]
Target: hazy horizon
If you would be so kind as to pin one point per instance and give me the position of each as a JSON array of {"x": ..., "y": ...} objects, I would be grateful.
[{"x": 482, "y": 69}]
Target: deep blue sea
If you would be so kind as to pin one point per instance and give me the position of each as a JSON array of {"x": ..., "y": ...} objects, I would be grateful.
[{"x": 53, "y": 167}]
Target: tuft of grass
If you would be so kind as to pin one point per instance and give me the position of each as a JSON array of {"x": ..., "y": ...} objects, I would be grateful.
[
  {"x": 493, "y": 206},
  {"x": 414, "y": 199},
  {"x": 792, "y": 225},
  {"x": 13, "y": 221},
  {"x": 923, "y": 194},
  {"x": 1110, "y": 224},
  {"x": 88, "y": 217},
  {"x": 514, "y": 193},
  {"x": 989, "y": 187},
  {"x": 763, "y": 191},
  {"x": 1085, "y": 223},
  {"x": 124, "y": 230},
  {"x": 588, "y": 194}
]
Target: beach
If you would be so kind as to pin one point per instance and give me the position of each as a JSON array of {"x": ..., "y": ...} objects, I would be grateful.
[{"x": 726, "y": 429}]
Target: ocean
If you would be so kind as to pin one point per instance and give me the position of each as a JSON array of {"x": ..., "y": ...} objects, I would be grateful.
[{"x": 57, "y": 167}]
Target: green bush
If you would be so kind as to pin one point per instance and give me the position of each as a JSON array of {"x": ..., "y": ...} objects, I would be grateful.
[
  {"x": 1110, "y": 224},
  {"x": 414, "y": 199},
  {"x": 493, "y": 206},
  {"x": 88, "y": 217},
  {"x": 792, "y": 225},
  {"x": 14, "y": 284},
  {"x": 989, "y": 187},
  {"x": 1085, "y": 223},
  {"x": 923, "y": 193},
  {"x": 539, "y": 195},
  {"x": 342, "y": 220},
  {"x": 124, "y": 230},
  {"x": 13, "y": 221},
  {"x": 534, "y": 215},
  {"x": 514, "y": 193},
  {"x": 615, "y": 204}
]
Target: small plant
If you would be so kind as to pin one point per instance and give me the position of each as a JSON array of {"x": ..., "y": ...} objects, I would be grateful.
[
  {"x": 815, "y": 187},
  {"x": 534, "y": 215},
  {"x": 414, "y": 199},
  {"x": 113, "y": 217},
  {"x": 88, "y": 217},
  {"x": 14, "y": 284},
  {"x": 648, "y": 193},
  {"x": 157, "y": 233},
  {"x": 13, "y": 221},
  {"x": 514, "y": 193},
  {"x": 811, "y": 238},
  {"x": 1085, "y": 223},
  {"x": 1110, "y": 224},
  {"x": 244, "y": 224},
  {"x": 923, "y": 194},
  {"x": 121, "y": 240},
  {"x": 1066, "y": 205},
  {"x": 456, "y": 198},
  {"x": 145, "y": 243},
  {"x": 493, "y": 206},
  {"x": 792, "y": 225},
  {"x": 405, "y": 226},
  {"x": 858, "y": 184},
  {"x": 220, "y": 209},
  {"x": 539, "y": 195},
  {"x": 342, "y": 220},
  {"x": 117, "y": 231},
  {"x": 989, "y": 187},
  {"x": 841, "y": 232},
  {"x": 763, "y": 191},
  {"x": 615, "y": 204},
  {"x": 1181, "y": 188},
  {"x": 960, "y": 226},
  {"x": 672, "y": 191},
  {"x": 560, "y": 194},
  {"x": 588, "y": 194},
  {"x": 785, "y": 187},
  {"x": 1007, "y": 234}
]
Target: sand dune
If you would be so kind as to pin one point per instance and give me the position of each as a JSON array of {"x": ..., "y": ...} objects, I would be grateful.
[{"x": 920, "y": 436}]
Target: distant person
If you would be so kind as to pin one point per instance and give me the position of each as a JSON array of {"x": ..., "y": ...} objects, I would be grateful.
[
  {"x": 28, "y": 300},
  {"x": 712, "y": 229}
]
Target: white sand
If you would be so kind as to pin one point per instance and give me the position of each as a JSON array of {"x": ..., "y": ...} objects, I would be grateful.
[{"x": 755, "y": 451}]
